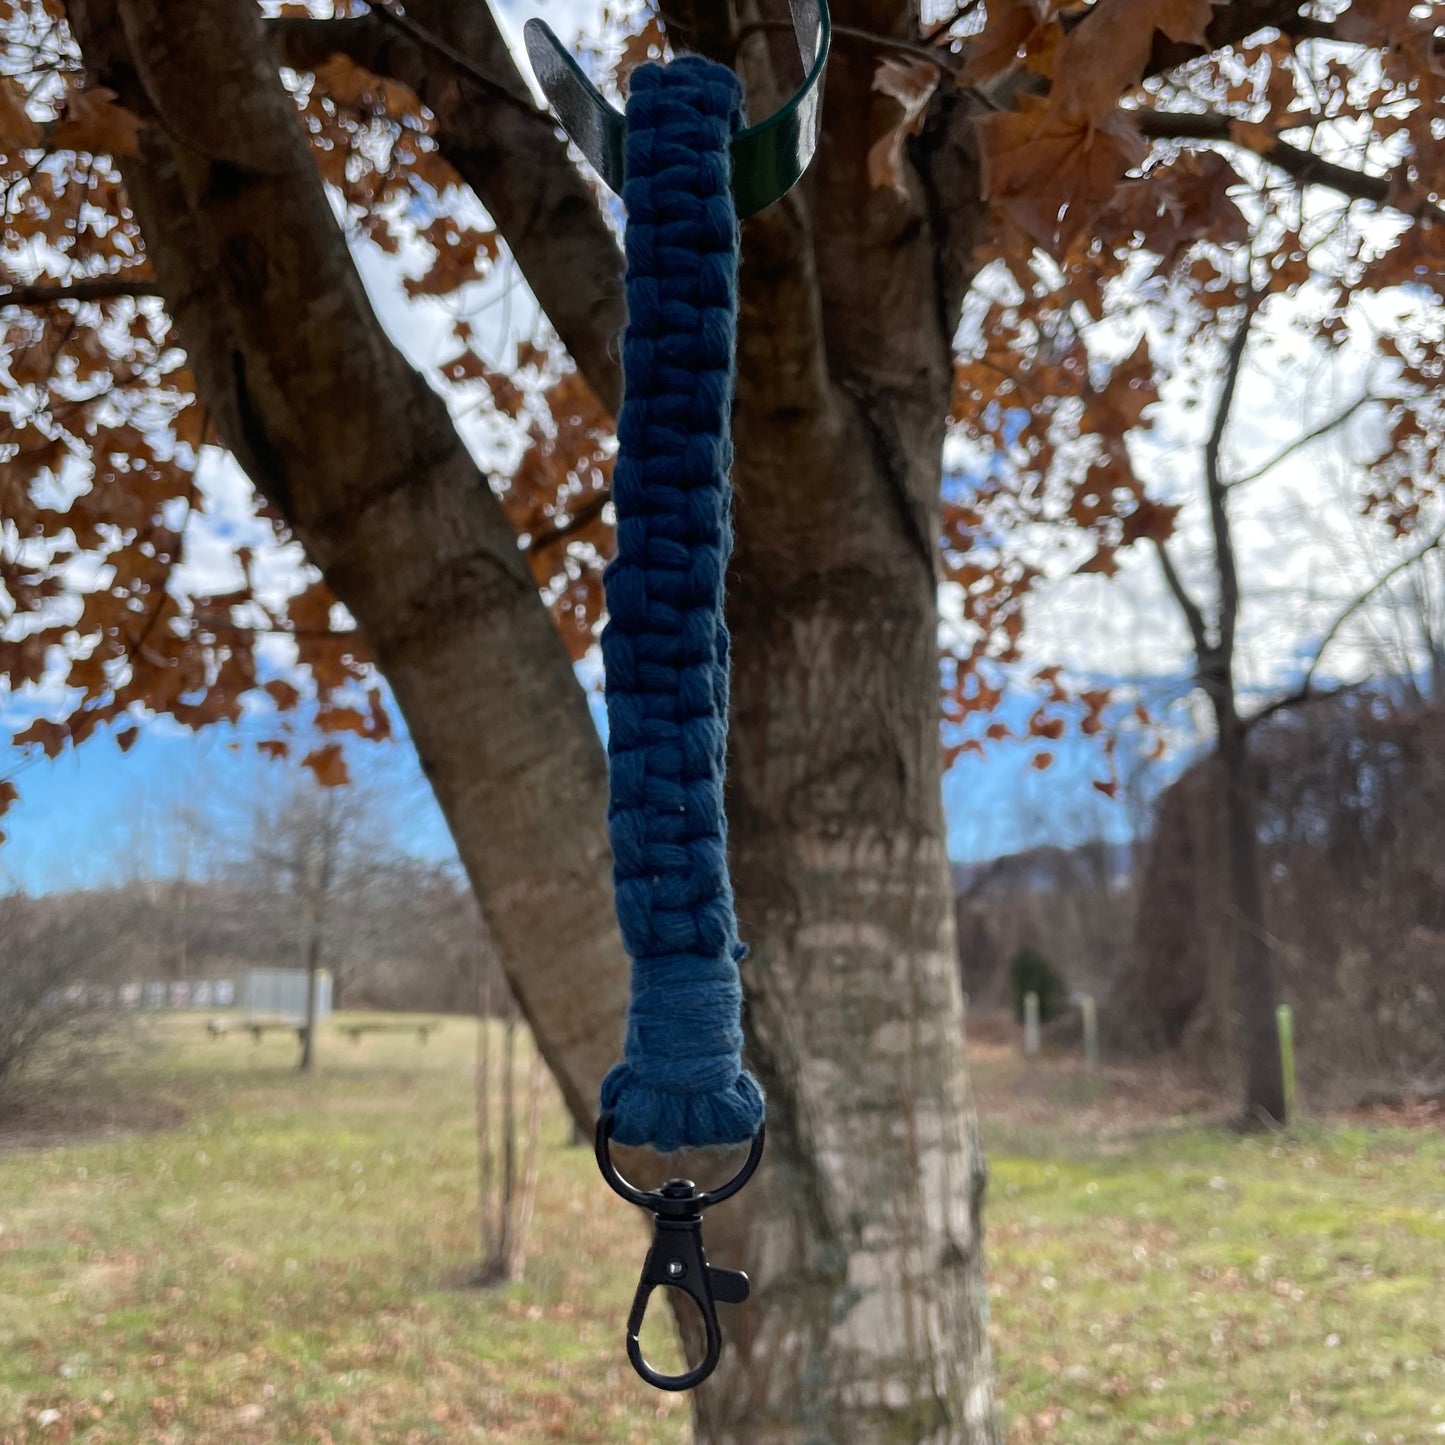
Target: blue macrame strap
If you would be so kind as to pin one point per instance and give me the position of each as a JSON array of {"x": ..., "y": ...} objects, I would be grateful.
[{"x": 681, "y": 1083}]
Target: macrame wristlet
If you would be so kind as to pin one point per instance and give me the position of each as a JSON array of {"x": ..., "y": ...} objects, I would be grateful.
[{"x": 681, "y": 1083}]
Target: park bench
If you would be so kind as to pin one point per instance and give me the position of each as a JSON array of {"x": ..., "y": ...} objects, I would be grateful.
[
  {"x": 258, "y": 1028},
  {"x": 423, "y": 1030}
]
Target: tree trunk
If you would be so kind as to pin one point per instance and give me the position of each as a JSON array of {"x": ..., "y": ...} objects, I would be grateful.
[
  {"x": 864, "y": 1240},
  {"x": 1264, "y": 1100},
  {"x": 483, "y": 1102},
  {"x": 313, "y": 969}
]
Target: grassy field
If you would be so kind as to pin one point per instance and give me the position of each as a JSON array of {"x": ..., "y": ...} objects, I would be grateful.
[{"x": 274, "y": 1266}]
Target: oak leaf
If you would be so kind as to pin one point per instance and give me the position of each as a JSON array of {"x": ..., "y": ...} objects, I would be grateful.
[
  {"x": 911, "y": 83},
  {"x": 283, "y": 694},
  {"x": 1053, "y": 172},
  {"x": 342, "y": 720},
  {"x": 17, "y": 130},
  {"x": 1107, "y": 51},
  {"x": 328, "y": 765},
  {"x": 94, "y": 121},
  {"x": 646, "y": 45},
  {"x": 1253, "y": 136},
  {"x": 346, "y": 82},
  {"x": 1103, "y": 561},
  {"x": 1009, "y": 26},
  {"x": 49, "y": 736}
]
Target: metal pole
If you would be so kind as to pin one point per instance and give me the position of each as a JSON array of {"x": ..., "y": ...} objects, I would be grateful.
[
  {"x": 1091, "y": 1033},
  {"x": 1284, "y": 1018},
  {"x": 1031, "y": 1024}
]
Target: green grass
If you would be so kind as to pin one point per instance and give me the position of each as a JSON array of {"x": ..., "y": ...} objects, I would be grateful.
[
  {"x": 276, "y": 1270},
  {"x": 1198, "y": 1286}
]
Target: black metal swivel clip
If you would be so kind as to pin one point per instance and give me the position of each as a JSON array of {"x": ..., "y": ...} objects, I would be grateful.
[{"x": 676, "y": 1259}]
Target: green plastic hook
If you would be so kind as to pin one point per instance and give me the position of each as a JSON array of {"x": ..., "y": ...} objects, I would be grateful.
[{"x": 768, "y": 158}]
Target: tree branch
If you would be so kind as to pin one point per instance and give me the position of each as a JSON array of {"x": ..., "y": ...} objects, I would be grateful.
[
  {"x": 510, "y": 93},
  {"x": 1323, "y": 429},
  {"x": 1299, "y": 164},
  {"x": 1232, "y": 23},
  {"x": 1294, "y": 700},
  {"x": 505, "y": 149},
  {"x": 1193, "y": 616},
  {"x": 1224, "y": 559},
  {"x": 585, "y": 514},
  {"x": 101, "y": 288},
  {"x": 1305, "y": 692}
]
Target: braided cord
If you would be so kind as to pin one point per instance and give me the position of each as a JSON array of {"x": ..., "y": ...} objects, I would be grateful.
[{"x": 681, "y": 1083}]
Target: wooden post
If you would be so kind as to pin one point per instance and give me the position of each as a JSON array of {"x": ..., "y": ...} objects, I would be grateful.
[
  {"x": 1091, "y": 1032},
  {"x": 1284, "y": 1019},
  {"x": 1031, "y": 1024}
]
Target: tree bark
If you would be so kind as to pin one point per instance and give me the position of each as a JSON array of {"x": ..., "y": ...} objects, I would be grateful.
[
  {"x": 313, "y": 968},
  {"x": 863, "y": 1231},
  {"x": 1253, "y": 957}
]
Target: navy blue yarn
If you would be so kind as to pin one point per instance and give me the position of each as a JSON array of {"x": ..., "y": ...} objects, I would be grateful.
[{"x": 681, "y": 1083}]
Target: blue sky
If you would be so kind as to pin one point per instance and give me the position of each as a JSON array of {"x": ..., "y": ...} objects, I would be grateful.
[{"x": 96, "y": 815}]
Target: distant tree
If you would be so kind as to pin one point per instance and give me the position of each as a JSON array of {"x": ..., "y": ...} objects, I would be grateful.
[{"x": 322, "y": 851}]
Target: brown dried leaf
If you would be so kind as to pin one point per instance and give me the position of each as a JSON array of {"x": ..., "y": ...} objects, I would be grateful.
[
  {"x": 911, "y": 83},
  {"x": 329, "y": 766},
  {"x": 1253, "y": 136},
  {"x": 93, "y": 121},
  {"x": 1053, "y": 173},
  {"x": 1008, "y": 28},
  {"x": 17, "y": 130},
  {"x": 282, "y": 693},
  {"x": 1106, "y": 53},
  {"x": 50, "y": 736}
]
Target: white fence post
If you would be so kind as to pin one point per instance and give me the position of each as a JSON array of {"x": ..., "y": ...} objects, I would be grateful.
[
  {"x": 1031, "y": 1024},
  {"x": 1091, "y": 1032}
]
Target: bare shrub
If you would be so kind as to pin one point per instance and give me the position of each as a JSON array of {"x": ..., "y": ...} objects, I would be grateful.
[
  {"x": 45, "y": 1013},
  {"x": 1351, "y": 798}
]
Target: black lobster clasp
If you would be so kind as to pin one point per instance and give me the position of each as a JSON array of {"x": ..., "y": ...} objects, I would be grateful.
[{"x": 676, "y": 1259}]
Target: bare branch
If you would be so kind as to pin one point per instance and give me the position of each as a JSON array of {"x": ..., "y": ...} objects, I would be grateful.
[
  {"x": 1362, "y": 600},
  {"x": 1224, "y": 559},
  {"x": 1193, "y": 616},
  {"x": 1294, "y": 700},
  {"x": 1313, "y": 435},
  {"x": 933, "y": 55},
  {"x": 514, "y": 93},
  {"x": 101, "y": 288},
  {"x": 507, "y": 151},
  {"x": 588, "y": 512},
  {"x": 1233, "y": 23},
  {"x": 1310, "y": 170}
]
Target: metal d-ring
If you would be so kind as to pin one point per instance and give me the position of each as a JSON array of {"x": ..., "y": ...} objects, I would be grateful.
[
  {"x": 768, "y": 158},
  {"x": 676, "y": 1259}
]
